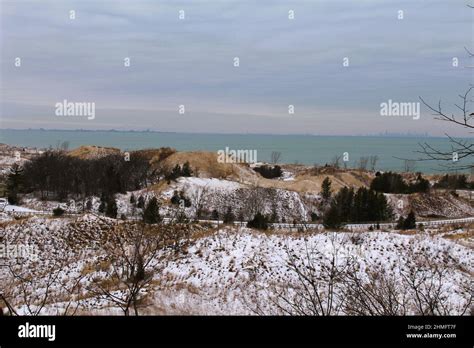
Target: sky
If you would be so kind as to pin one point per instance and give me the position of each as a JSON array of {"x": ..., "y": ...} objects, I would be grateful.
[{"x": 190, "y": 62}]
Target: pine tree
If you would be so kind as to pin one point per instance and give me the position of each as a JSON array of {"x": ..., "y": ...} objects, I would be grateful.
[
  {"x": 186, "y": 171},
  {"x": 410, "y": 221},
  {"x": 58, "y": 211},
  {"x": 111, "y": 208},
  {"x": 326, "y": 189},
  {"x": 175, "y": 173},
  {"x": 89, "y": 205},
  {"x": 259, "y": 221},
  {"x": 175, "y": 198},
  {"x": 15, "y": 181},
  {"x": 215, "y": 215},
  {"x": 229, "y": 216},
  {"x": 133, "y": 200},
  {"x": 103, "y": 203},
  {"x": 151, "y": 214},
  {"x": 331, "y": 218},
  {"x": 141, "y": 202},
  {"x": 400, "y": 223}
]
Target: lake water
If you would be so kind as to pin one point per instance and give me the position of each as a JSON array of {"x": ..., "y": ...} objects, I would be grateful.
[{"x": 306, "y": 149}]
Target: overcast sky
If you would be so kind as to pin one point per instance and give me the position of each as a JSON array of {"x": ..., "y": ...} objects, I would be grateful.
[{"x": 190, "y": 62}]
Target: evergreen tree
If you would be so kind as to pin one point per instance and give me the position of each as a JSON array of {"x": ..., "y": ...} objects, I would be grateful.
[
  {"x": 175, "y": 173},
  {"x": 151, "y": 214},
  {"x": 363, "y": 206},
  {"x": 259, "y": 221},
  {"x": 89, "y": 205},
  {"x": 15, "y": 180},
  {"x": 326, "y": 189},
  {"x": 269, "y": 172},
  {"x": 332, "y": 218},
  {"x": 141, "y": 202},
  {"x": 420, "y": 185},
  {"x": 133, "y": 200},
  {"x": 401, "y": 223},
  {"x": 111, "y": 208},
  {"x": 410, "y": 221},
  {"x": 186, "y": 171},
  {"x": 389, "y": 183},
  {"x": 215, "y": 215},
  {"x": 103, "y": 203},
  {"x": 58, "y": 211},
  {"x": 175, "y": 198},
  {"x": 229, "y": 216}
]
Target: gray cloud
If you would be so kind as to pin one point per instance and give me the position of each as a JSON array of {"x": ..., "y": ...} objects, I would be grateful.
[{"x": 190, "y": 62}]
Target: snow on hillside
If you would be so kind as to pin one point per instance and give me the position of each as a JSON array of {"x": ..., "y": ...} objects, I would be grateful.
[
  {"x": 17, "y": 208},
  {"x": 242, "y": 198},
  {"x": 220, "y": 270},
  {"x": 224, "y": 272},
  {"x": 432, "y": 205},
  {"x": 190, "y": 185}
]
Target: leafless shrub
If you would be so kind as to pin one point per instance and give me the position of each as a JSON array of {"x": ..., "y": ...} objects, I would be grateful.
[
  {"x": 373, "y": 162},
  {"x": 409, "y": 166},
  {"x": 319, "y": 276},
  {"x": 275, "y": 157},
  {"x": 363, "y": 161},
  {"x": 333, "y": 284},
  {"x": 336, "y": 161},
  {"x": 374, "y": 291},
  {"x": 130, "y": 253},
  {"x": 199, "y": 200},
  {"x": 31, "y": 289},
  {"x": 427, "y": 279}
]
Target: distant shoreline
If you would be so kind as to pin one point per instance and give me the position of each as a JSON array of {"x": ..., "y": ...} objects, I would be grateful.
[
  {"x": 381, "y": 135},
  {"x": 297, "y": 149}
]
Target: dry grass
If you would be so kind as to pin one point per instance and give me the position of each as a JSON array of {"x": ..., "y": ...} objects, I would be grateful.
[
  {"x": 156, "y": 155},
  {"x": 312, "y": 183},
  {"x": 458, "y": 236},
  {"x": 204, "y": 163},
  {"x": 92, "y": 151}
]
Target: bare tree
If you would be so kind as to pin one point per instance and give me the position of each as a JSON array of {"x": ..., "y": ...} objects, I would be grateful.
[
  {"x": 461, "y": 149},
  {"x": 254, "y": 199},
  {"x": 363, "y": 161},
  {"x": 331, "y": 283},
  {"x": 319, "y": 279},
  {"x": 374, "y": 291},
  {"x": 275, "y": 157},
  {"x": 409, "y": 166},
  {"x": 199, "y": 199},
  {"x": 426, "y": 278},
  {"x": 373, "y": 162},
  {"x": 335, "y": 162},
  {"x": 32, "y": 289},
  {"x": 130, "y": 263}
]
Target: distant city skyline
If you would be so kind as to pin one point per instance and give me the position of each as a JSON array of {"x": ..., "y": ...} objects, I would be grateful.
[
  {"x": 190, "y": 62},
  {"x": 379, "y": 134}
]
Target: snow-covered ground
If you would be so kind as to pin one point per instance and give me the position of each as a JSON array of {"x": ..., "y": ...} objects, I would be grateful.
[
  {"x": 229, "y": 271},
  {"x": 242, "y": 198},
  {"x": 17, "y": 208}
]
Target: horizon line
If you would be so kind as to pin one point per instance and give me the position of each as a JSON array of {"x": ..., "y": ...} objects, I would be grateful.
[{"x": 381, "y": 134}]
